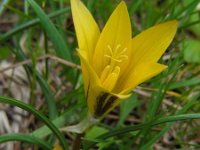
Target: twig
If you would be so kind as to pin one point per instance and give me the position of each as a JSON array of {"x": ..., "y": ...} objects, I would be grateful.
[{"x": 62, "y": 61}]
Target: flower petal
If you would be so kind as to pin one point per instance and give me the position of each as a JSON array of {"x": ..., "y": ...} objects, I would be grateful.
[
  {"x": 116, "y": 33},
  {"x": 86, "y": 28},
  {"x": 100, "y": 101},
  {"x": 92, "y": 83},
  {"x": 149, "y": 45},
  {"x": 88, "y": 70},
  {"x": 141, "y": 73}
]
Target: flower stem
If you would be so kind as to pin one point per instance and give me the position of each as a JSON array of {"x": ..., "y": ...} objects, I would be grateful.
[
  {"x": 80, "y": 128},
  {"x": 78, "y": 141}
]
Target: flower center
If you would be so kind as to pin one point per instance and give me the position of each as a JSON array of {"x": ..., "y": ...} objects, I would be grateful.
[
  {"x": 110, "y": 74},
  {"x": 117, "y": 54}
]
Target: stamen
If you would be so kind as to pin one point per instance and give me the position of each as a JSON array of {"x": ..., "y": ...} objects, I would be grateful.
[
  {"x": 110, "y": 49},
  {"x": 123, "y": 51},
  {"x": 110, "y": 74},
  {"x": 117, "y": 60},
  {"x": 117, "y": 47},
  {"x": 105, "y": 73},
  {"x": 117, "y": 70},
  {"x": 115, "y": 54},
  {"x": 124, "y": 56},
  {"x": 111, "y": 80}
]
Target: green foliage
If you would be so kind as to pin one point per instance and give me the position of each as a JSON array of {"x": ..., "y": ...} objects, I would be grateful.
[
  {"x": 42, "y": 32},
  {"x": 126, "y": 107},
  {"x": 37, "y": 115},
  {"x": 5, "y": 52},
  {"x": 26, "y": 138},
  {"x": 192, "y": 51}
]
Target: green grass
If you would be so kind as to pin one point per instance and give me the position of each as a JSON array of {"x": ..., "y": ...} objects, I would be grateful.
[{"x": 56, "y": 95}]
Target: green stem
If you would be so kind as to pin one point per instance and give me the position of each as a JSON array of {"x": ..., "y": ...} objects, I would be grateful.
[
  {"x": 80, "y": 128},
  {"x": 77, "y": 142}
]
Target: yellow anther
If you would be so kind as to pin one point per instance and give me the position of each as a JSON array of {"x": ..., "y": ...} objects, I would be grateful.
[
  {"x": 117, "y": 70},
  {"x": 110, "y": 73},
  {"x": 123, "y": 51},
  {"x": 105, "y": 73},
  {"x": 110, "y": 50},
  {"x": 117, "y": 47},
  {"x": 111, "y": 80}
]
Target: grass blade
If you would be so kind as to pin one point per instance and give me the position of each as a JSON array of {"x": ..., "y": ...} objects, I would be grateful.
[
  {"x": 59, "y": 44},
  {"x": 167, "y": 127},
  {"x": 190, "y": 82},
  {"x": 25, "y": 138},
  {"x": 187, "y": 10},
  {"x": 117, "y": 132},
  {"x": 156, "y": 122},
  {"x": 29, "y": 24},
  {"x": 44, "y": 86},
  {"x": 38, "y": 115},
  {"x": 58, "y": 122}
]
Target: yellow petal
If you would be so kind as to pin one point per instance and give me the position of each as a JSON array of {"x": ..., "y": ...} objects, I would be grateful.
[
  {"x": 149, "y": 45},
  {"x": 141, "y": 73},
  {"x": 116, "y": 34},
  {"x": 86, "y": 28},
  {"x": 86, "y": 67},
  {"x": 100, "y": 101},
  {"x": 92, "y": 83}
]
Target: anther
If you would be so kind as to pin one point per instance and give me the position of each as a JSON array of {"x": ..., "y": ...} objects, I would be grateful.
[
  {"x": 117, "y": 47},
  {"x": 115, "y": 54},
  {"x": 110, "y": 49},
  {"x": 123, "y": 51}
]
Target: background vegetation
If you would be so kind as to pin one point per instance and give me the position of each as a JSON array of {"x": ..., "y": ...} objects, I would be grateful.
[{"x": 40, "y": 67}]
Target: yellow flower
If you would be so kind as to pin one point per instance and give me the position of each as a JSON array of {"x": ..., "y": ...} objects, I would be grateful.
[{"x": 113, "y": 62}]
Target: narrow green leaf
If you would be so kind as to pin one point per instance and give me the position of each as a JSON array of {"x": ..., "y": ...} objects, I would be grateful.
[
  {"x": 117, "y": 132},
  {"x": 17, "y": 12},
  {"x": 48, "y": 95},
  {"x": 190, "y": 82},
  {"x": 167, "y": 127},
  {"x": 96, "y": 131},
  {"x": 44, "y": 86},
  {"x": 26, "y": 138},
  {"x": 187, "y": 10},
  {"x": 126, "y": 107},
  {"x": 58, "y": 42},
  {"x": 38, "y": 115},
  {"x": 156, "y": 137},
  {"x": 155, "y": 102},
  {"x": 29, "y": 24},
  {"x": 58, "y": 122},
  {"x": 177, "y": 118}
]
